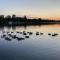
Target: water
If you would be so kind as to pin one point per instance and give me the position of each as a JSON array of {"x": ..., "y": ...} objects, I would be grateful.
[{"x": 41, "y": 47}]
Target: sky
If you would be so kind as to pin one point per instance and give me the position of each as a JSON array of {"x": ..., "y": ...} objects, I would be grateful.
[{"x": 49, "y": 9}]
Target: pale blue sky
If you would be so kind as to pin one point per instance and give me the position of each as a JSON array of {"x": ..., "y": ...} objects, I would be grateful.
[{"x": 33, "y": 8}]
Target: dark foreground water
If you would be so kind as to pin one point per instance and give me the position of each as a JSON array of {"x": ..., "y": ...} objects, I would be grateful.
[{"x": 36, "y": 47}]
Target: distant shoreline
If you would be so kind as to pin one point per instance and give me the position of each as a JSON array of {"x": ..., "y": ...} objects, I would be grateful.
[
  {"x": 28, "y": 24},
  {"x": 22, "y": 21}
]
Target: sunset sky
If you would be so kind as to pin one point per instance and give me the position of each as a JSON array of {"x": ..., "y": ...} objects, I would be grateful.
[{"x": 31, "y": 8}]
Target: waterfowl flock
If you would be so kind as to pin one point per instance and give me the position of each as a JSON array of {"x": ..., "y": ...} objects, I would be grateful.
[
  {"x": 13, "y": 35},
  {"x": 53, "y": 35}
]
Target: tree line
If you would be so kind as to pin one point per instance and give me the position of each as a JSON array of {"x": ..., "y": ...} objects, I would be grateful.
[{"x": 14, "y": 21}]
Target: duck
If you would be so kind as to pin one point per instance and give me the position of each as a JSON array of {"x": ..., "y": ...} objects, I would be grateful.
[
  {"x": 37, "y": 33},
  {"x": 14, "y": 36},
  {"x": 26, "y": 36},
  {"x": 30, "y": 33},
  {"x": 12, "y": 32},
  {"x": 20, "y": 38},
  {"x": 18, "y": 32},
  {"x": 56, "y": 34},
  {"x": 41, "y": 33},
  {"x": 4, "y": 35},
  {"x": 49, "y": 33},
  {"x": 7, "y": 38},
  {"x": 10, "y": 35},
  {"x": 24, "y": 33},
  {"x": 53, "y": 35}
]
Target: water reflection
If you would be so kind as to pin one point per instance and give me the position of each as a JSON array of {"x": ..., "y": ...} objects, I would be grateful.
[{"x": 30, "y": 43}]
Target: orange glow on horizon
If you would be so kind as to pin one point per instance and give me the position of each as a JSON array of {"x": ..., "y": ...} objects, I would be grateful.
[
  {"x": 43, "y": 17},
  {"x": 47, "y": 17}
]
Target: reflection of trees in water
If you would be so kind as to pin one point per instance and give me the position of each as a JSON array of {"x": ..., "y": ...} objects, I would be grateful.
[
  {"x": 1, "y": 28},
  {"x": 8, "y": 27},
  {"x": 13, "y": 27},
  {"x": 25, "y": 27}
]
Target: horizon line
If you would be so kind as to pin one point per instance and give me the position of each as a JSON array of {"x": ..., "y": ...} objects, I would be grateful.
[{"x": 33, "y": 17}]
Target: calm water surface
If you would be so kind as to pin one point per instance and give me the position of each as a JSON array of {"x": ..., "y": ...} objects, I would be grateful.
[{"x": 41, "y": 47}]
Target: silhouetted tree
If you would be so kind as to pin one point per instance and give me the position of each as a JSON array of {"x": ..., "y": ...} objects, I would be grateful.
[
  {"x": 1, "y": 19},
  {"x": 23, "y": 20},
  {"x": 13, "y": 16},
  {"x": 25, "y": 17}
]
